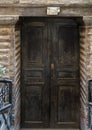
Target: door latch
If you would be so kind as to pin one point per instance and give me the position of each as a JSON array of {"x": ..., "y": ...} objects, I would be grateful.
[{"x": 52, "y": 66}]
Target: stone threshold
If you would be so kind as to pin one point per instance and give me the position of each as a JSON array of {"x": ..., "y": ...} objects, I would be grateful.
[{"x": 48, "y": 129}]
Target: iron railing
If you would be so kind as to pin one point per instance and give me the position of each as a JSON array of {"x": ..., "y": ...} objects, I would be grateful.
[
  {"x": 5, "y": 103},
  {"x": 90, "y": 104}
]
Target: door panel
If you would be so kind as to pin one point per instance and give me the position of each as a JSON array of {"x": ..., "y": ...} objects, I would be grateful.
[
  {"x": 66, "y": 75},
  {"x": 50, "y": 73},
  {"x": 35, "y": 93}
]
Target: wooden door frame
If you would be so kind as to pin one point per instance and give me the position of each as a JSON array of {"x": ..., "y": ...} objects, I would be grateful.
[{"x": 58, "y": 17}]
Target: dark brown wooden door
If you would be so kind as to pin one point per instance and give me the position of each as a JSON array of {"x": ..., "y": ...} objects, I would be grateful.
[{"x": 50, "y": 73}]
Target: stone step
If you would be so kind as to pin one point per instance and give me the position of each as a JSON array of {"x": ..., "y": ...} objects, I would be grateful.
[{"x": 48, "y": 129}]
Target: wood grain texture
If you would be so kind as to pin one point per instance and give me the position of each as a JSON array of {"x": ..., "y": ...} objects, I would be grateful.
[{"x": 50, "y": 96}]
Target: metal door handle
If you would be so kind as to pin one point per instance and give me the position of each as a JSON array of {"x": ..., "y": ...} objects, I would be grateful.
[{"x": 52, "y": 66}]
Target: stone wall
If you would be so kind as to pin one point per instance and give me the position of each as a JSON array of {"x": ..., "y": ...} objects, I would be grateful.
[
  {"x": 53, "y": 1},
  {"x": 6, "y": 49},
  {"x": 9, "y": 1},
  {"x": 10, "y": 58},
  {"x": 85, "y": 68},
  {"x": 44, "y": 1},
  {"x": 17, "y": 79},
  {"x": 10, "y": 50},
  {"x": 83, "y": 77},
  {"x": 89, "y": 41}
]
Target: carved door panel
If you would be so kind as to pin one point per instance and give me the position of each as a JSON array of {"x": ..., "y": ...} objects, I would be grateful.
[
  {"x": 65, "y": 75},
  {"x": 35, "y": 74},
  {"x": 50, "y": 73}
]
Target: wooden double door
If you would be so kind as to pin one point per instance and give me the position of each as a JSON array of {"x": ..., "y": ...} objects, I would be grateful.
[{"x": 50, "y": 73}]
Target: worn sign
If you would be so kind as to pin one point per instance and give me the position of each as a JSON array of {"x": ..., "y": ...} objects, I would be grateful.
[{"x": 53, "y": 10}]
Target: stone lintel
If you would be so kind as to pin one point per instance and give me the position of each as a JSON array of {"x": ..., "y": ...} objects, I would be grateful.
[
  {"x": 8, "y": 19},
  {"x": 87, "y": 20},
  {"x": 41, "y": 10}
]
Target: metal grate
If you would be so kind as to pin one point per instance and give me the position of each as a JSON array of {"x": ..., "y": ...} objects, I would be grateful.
[{"x": 5, "y": 103}]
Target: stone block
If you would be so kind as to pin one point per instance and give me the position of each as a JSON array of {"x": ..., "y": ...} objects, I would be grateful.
[
  {"x": 33, "y": 1},
  {"x": 9, "y": 1},
  {"x": 52, "y": 1}
]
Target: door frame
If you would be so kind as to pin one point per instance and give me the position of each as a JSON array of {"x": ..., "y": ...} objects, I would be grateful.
[{"x": 54, "y": 18}]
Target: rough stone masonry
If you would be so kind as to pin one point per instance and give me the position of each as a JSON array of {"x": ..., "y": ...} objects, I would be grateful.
[{"x": 10, "y": 48}]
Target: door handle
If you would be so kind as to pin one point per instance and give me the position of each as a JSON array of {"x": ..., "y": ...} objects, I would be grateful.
[{"x": 52, "y": 66}]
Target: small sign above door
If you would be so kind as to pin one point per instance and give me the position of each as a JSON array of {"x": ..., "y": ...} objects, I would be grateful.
[{"x": 53, "y": 10}]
